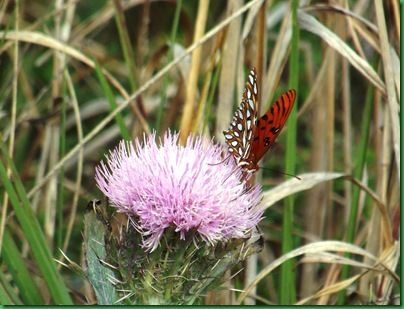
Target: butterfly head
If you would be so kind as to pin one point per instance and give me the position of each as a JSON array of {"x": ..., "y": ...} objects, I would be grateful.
[{"x": 249, "y": 166}]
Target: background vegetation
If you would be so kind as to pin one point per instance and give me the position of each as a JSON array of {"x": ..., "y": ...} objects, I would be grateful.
[{"x": 78, "y": 76}]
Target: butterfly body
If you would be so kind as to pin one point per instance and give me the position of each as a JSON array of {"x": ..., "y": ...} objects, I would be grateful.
[{"x": 248, "y": 137}]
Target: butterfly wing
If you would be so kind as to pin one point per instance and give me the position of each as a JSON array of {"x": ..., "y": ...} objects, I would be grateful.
[
  {"x": 241, "y": 131},
  {"x": 271, "y": 123}
]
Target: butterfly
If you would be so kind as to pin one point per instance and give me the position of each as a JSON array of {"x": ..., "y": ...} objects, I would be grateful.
[{"x": 248, "y": 137}]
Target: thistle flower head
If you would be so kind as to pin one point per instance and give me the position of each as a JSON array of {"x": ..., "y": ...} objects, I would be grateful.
[{"x": 163, "y": 185}]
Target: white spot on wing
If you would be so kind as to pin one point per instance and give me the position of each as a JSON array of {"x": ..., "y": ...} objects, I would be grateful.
[{"x": 251, "y": 102}]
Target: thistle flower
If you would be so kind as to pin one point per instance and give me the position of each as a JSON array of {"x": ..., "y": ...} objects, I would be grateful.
[
  {"x": 192, "y": 215},
  {"x": 165, "y": 185}
]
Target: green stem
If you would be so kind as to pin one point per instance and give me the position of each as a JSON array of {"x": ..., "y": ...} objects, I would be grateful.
[{"x": 287, "y": 289}]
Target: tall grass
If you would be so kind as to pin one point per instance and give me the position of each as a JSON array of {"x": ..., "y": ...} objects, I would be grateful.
[{"x": 78, "y": 76}]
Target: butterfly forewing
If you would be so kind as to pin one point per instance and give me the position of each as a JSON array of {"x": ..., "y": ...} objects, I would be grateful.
[
  {"x": 271, "y": 123},
  {"x": 240, "y": 133}
]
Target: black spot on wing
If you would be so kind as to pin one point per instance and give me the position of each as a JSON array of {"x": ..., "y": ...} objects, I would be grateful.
[{"x": 275, "y": 130}]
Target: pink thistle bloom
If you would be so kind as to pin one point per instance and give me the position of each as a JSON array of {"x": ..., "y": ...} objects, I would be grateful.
[{"x": 167, "y": 185}]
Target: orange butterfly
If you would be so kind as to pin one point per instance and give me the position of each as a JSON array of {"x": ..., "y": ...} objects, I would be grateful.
[{"x": 248, "y": 137}]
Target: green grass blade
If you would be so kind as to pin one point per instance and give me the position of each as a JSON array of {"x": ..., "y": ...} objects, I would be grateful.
[
  {"x": 125, "y": 42},
  {"x": 288, "y": 287},
  {"x": 8, "y": 295},
  {"x": 29, "y": 292},
  {"x": 61, "y": 178},
  {"x": 211, "y": 96},
  {"x": 32, "y": 231},
  {"x": 112, "y": 102}
]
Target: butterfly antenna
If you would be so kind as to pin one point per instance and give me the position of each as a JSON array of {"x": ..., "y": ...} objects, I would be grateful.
[{"x": 283, "y": 173}]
